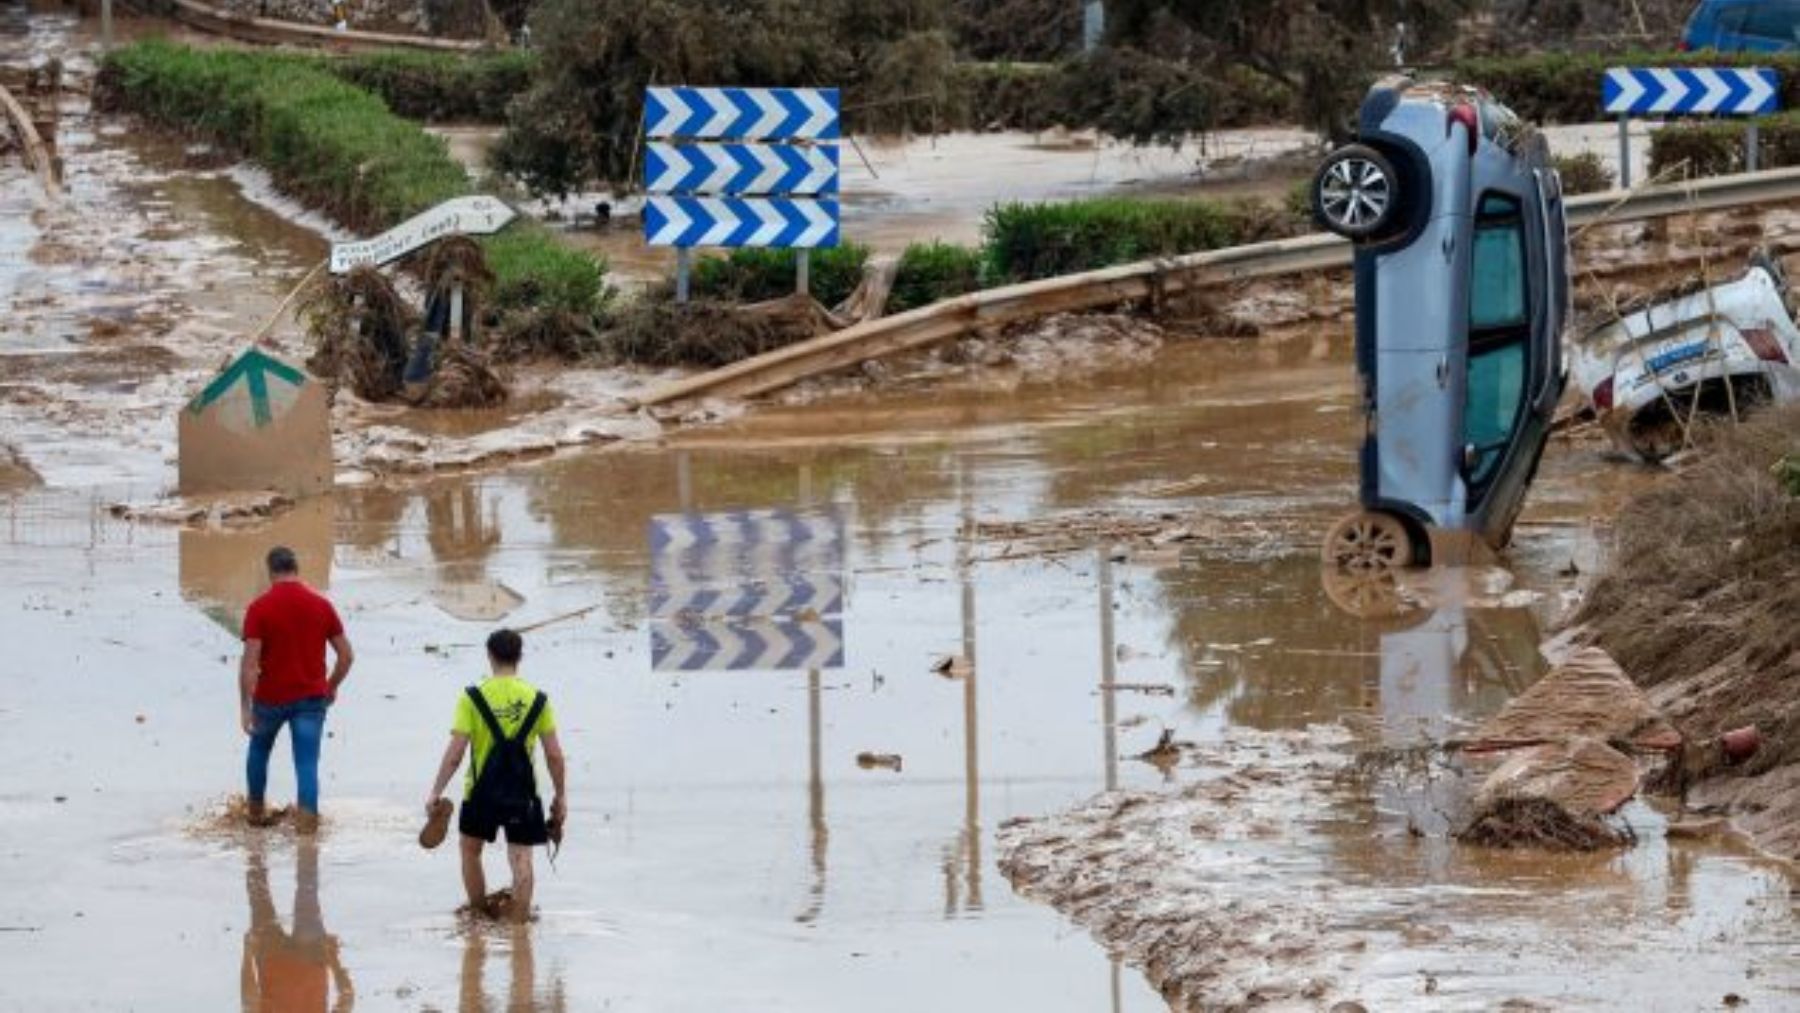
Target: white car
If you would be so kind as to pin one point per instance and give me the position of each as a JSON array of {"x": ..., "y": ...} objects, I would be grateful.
[{"x": 1646, "y": 373}]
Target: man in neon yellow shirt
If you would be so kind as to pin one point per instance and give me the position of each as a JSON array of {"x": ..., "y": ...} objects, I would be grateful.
[{"x": 504, "y": 718}]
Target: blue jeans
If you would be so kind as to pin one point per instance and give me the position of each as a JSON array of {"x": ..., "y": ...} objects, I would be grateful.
[{"x": 306, "y": 730}]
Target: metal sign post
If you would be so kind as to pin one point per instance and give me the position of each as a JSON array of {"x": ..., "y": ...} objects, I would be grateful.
[
  {"x": 709, "y": 187},
  {"x": 1688, "y": 91}
]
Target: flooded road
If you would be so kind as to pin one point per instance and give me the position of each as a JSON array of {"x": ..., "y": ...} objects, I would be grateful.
[{"x": 726, "y": 848}]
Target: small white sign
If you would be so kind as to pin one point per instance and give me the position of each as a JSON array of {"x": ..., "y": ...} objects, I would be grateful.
[{"x": 467, "y": 216}]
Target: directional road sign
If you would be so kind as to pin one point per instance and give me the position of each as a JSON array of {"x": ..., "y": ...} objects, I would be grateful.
[
  {"x": 478, "y": 215},
  {"x": 255, "y": 386},
  {"x": 742, "y": 114},
  {"x": 739, "y": 169},
  {"x": 774, "y": 645},
  {"x": 1690, "y": 91},
  {"x": 794, "y": 594},
  {"x": 740, "y": 221}
]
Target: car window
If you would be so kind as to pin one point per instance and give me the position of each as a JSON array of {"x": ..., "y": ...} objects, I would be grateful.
[
  {"x": 1497, "y": 284},
  {"x": 1772, "y": 20},
  {"x": 1496, "y": 393}
]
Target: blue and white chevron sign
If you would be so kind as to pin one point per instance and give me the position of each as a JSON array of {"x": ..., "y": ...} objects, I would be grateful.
[
  {"x": 801, "y": 224},
  {"x": 742, "y": 114},
  {"x": 757, "y": 645},
  {"x": 1695, "y": 91},
  {"x": 738, "y": 169},
  {"x": 791, "y": 595}
]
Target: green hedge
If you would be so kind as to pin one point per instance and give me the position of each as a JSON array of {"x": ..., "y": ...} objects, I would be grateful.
[
  {"x": 1716, "y": 148},
  {"x": 337, "y": 147},
  {"x": 1027, "y": 241},
  {"x": 1565, "y": 87},
  {"x": 932, "y": 272},
  {"x": 758, "y": 275},
  {"x": 440, "y": 87}
]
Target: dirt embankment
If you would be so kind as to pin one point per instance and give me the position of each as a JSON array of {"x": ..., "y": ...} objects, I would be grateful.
[{"x": 1699, "y": 606}]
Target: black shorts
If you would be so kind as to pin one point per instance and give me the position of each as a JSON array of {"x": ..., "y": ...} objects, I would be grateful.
[{"x": 474, "y": 820}]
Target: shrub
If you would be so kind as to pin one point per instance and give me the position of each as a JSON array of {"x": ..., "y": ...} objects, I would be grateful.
[
  {"x": 438, "y": 87},
  {"x": 1583, "y": 173},
  {"x": 1565, "y": 87},
  {"x": 758, "y": 275},
  {"x": 930, "y": 272},
  {"x": 1026, "y": 241},
  {"x": 1715, "y": 149},
  {"x": 336, "y": 147}
]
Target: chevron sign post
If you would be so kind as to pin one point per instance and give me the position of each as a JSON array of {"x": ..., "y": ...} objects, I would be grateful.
[
  {"x": 710, "y": 186},
  {"x": 1688, "y": 91},
  {"x": 758, "y": 590}
]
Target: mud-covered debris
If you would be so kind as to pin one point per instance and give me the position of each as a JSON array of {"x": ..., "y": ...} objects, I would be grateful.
[
  {"x": 1586, "y": 696},
  {"x": 953, "y": 666},
  {"x": 1554, "y": 796},
  {"x": 358, "y": 323},
  {"x": 224, "y": 510},
  {"x": 16, "y": 473},
  {"x": 880, "y": 761},
  {"x": 1146, "y": 688},
  {"x": 463, "y": 378},
  {"x": 1166, "y": 753}
]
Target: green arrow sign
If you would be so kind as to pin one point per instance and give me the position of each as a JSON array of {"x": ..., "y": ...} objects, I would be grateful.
[{"x": 254, "y": 368}]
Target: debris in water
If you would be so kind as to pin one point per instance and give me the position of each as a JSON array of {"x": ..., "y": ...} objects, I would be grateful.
[
  {"x": 1587, "y": 696},
  {"x": 953, "y": 666},
  {"x": 1554, "y": 796},
  {"x": 1147, "y": 688},
  {"x": 1165, "y": 754},
  {"x": 879, "y": 761}
]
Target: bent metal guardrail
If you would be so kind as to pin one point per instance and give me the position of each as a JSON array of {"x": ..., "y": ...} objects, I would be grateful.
[
  {"x": 245, "y": 28},
  {"x": 952, "y": 318}
]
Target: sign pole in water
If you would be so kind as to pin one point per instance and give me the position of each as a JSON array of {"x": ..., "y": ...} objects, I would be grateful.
[
  {"x": 709, "y": 185},
  {"x": 1688, "y": 91}
]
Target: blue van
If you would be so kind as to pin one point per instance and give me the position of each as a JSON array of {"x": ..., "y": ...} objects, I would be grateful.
[{"x": 1735, "y": 26}]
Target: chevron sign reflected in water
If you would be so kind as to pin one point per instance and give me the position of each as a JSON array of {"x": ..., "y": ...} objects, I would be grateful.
[{"x": 748, "y": 590}]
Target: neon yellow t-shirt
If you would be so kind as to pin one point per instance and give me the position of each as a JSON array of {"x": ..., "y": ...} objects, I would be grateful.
[{"x": 509, "y": 697}]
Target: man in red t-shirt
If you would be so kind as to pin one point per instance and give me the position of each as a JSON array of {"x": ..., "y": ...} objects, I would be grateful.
[{"x": 282, "y": 680}]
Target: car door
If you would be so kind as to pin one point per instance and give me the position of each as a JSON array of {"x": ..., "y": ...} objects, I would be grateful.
[
  {"x": 1501, "y": 366},
  {"x": 1771, "y": 26}
]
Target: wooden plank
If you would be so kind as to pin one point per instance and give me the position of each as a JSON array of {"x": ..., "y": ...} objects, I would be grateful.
[{"x": 37, "y": 153}]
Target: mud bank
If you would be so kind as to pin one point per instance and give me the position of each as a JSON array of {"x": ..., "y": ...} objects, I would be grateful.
[
  {"x": 1274, "y": 882},
  {"x": 1698, "y": 604}
]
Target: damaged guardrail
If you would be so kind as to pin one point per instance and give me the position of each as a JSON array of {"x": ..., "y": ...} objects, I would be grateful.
[{"x": 1156, "y": 279}]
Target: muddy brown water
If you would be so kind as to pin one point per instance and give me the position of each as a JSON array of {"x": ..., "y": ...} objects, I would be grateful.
[{"x": 726, "y": 849}]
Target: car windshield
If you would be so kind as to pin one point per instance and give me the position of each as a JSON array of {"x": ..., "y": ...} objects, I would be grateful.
[{"x": 1498, "y": 332}]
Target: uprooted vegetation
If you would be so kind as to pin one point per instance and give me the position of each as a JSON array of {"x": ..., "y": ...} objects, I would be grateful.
[
  {"x": 337, "y": 148},
  {"x": 1698, "y": 605}
]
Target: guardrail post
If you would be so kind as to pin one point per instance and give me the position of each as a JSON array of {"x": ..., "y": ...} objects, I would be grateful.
[
  {"x": 1751, "y": 155},
  {"x": 803, "y": 273},
  {"x": 681, "y": 275},
  {"x": 1624, "y": 152}
]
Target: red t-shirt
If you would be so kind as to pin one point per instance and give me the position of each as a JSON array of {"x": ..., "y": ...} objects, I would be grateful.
[{"x": 293, "y": 622}]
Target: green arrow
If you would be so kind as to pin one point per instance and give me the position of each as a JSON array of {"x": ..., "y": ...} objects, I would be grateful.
[{"x": 254, "y": 368}]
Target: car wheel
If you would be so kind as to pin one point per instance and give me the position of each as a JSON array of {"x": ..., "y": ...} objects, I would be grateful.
[
  {"x": 1356, "y": 192},
  {"x": 1368, "y": 540}
]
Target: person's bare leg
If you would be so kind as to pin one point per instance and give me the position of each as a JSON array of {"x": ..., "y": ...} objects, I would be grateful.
[
  {"x": 474, "y": 880},
  {"x": 519, "y": 857}
]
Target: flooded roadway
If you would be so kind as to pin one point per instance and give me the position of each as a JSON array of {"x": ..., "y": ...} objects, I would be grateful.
[{"x": 726, "y": 848}]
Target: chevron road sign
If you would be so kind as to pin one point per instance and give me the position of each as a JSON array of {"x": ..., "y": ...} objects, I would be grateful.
[
  {"x": 774, "y": 645},
  {"x": 737, "y": 169},
  {"x": 742, "y": 114},
  {"x": 747, "y": 590},
  {"x": 740, "y": 221},
  {"x": 1690, "y": 91}
]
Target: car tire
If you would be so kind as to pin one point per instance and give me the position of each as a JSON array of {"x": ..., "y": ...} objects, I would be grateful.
[
  {"x": 1368, "y": 540},
  {"x": 1356, "y": 193}
]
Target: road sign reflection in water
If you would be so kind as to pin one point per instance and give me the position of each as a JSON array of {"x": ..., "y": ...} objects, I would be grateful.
[{"x": 759, "y": 590}]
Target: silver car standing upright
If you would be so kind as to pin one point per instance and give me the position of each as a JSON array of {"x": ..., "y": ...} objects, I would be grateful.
[{"x": 1462, "y": 291}]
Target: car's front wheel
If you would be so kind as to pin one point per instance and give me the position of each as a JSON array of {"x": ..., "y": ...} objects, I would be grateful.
[
  {"x": 1356, "y": 192},
  {"x": 1368, "y": 541}
]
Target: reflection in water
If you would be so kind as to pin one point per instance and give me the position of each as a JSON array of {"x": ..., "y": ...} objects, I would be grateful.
[
  {"x": 224, "y": 569},
  {"x": 290, "y": 971},
  {"x": 962, "y": 859},
  {"x": 522, "y": 995}
]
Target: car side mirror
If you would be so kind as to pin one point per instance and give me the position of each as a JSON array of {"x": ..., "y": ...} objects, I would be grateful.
[{"x": 1470, "y": 457}]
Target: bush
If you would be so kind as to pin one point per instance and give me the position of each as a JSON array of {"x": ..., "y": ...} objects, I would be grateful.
[
  {"x": 1583, "y": 173},
  {"x": 1027, "y": 241},
  {"x": 1716, "y": 149},
  {"x": 1565, "y": 87},
  {"x": 931, "y": 272},
  {"x": 758, "y": 275},
  {"x": 438, "y": 87},
  {"x": 335, "y": 147}
]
